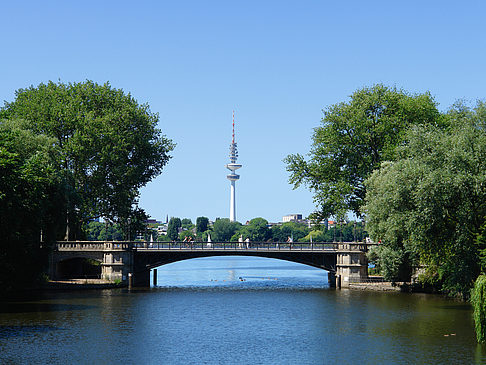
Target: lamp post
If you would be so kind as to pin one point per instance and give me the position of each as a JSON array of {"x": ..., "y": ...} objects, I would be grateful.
[{"x": 129, "y": 221}]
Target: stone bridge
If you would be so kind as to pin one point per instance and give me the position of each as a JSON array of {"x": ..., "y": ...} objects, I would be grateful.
[{"x": 131, "y": 262}]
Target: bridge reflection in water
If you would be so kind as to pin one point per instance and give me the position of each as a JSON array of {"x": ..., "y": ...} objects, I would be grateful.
[{"x": 130, "y": 262}]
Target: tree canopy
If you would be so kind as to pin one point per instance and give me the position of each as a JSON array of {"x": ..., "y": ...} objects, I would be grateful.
[
  {"x": 429, "y": 205},
  {"x": 256, "y": 230},
  {"x": 173, "y": 228},
  {"x": 109, "y": 144},
  {"x": 31, "y": 201},
  {"x": 354, "y": 138},
  {"x": 202, "y": 224},
  {"x": 224, "y": 229}
]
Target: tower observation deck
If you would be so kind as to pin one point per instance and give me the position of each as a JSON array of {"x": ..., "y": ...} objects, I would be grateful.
[{"x": 232, "y": 177}]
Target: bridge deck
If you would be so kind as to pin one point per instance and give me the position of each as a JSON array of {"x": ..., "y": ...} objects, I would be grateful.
[{"x": 212, "y": 246}]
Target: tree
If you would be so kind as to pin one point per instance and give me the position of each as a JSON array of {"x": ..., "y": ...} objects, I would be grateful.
[
  {"x": 429, "y": 206},
  {"x": 354, "y": 138},
  {"x": 289, "y": 229},
  {"x": 187, "y": 224},
  {"x": 202, "y": 224},
  {"x": 93, "y": 230},
  {"x": 478, "y": 299},
  {"x": 257, "y": 230},
  {"x": 31, "y": 204},
  {"x": 224, "y": 229},
  {"x": 173, "y": 228},
  {"x": 110, "y": 145}
]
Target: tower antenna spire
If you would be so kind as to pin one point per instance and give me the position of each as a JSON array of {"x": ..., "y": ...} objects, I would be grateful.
[
  {"x": 233, "y": 126},
  {"x": 233, "y": 176}
]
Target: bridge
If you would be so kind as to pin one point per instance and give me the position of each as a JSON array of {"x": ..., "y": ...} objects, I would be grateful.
[{"x": 130, "y": 263}]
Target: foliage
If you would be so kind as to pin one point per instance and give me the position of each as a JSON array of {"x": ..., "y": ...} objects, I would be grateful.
[
  {"x": 185, "y": 234},
  {"x": 187, "y": 224},
  {"x": 97, "y": 231},
  {"x": 31, "y": 204},
  {"x": 345, "y": 232},
  {"x": 394, "y": 264},
  {"x": 315, "y": 236},
  {"x": 430, "y": 203},
  {"x": 480, "y": 242},
  {"x": 110, "y": 146},
  {"x": 224, "y": 229},
  {"x": 354, "y": 138},
  {"x": 173, "y": 228},
  {"x": 202, "y": 224},
  {"x": 256, "y": 230},
  {"x": 289, "y": 229},
  {"x": 478, "y": 300}
]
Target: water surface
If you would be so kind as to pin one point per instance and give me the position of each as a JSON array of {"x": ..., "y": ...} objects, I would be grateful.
[{"x": 237, "y": 310}]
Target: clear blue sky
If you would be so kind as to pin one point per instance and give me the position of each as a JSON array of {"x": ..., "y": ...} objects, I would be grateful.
[{"x": 276, "y": 63}]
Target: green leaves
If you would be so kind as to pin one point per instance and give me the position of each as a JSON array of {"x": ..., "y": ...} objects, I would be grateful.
[
  {"x": 478, "y": 299},
  {"x": 432, "y": 200},
  {"x": 30, "y": 201},
  {"x": 353, "y": 140},
  {"x": 108, "y": 143}
]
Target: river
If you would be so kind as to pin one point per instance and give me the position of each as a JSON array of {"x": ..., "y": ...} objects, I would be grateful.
[{"x": 237, "y": 310}]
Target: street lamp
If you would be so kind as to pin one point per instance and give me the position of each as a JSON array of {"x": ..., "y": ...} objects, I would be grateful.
[{"x": 129, "y": 221}]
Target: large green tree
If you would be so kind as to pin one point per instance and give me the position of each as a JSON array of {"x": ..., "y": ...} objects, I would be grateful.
[
  {"x": 32, "y": 193},
  {"x": 173, "y": 228},
  {"x": 224, "y": 229},
  {"x": 109, "y": 143},
  {"x": 429, "y": 206},
  {"x": 202, "y": 224},
  {"x": 354, "y": 138},
  {"x": 256, "y": 230}
]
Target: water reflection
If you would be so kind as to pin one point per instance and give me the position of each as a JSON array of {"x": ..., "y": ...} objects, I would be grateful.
[
  {"x": 278, "y": 315},
  {"x": 24, "y": 330}
]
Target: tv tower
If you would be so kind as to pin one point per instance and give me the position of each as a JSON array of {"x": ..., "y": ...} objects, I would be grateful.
[{"x": 233, "y": 166}]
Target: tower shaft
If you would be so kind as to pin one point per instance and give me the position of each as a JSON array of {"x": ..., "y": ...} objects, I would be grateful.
[{"x": 233, "y": 202}]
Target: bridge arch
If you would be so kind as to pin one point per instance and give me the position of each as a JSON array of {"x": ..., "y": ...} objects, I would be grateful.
[
  {"x": 79, "y": 267},
  {"x": 328, "y": 265},
  {"x": 145, "y": 261}
]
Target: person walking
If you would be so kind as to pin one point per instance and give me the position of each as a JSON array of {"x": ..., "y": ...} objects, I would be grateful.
[{"x": 289, "y": 241}]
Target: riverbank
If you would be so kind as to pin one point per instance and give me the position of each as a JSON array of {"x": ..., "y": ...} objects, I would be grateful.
[
  {"x": 381, "y": 286},
  {"x": 77, "y": 284}
]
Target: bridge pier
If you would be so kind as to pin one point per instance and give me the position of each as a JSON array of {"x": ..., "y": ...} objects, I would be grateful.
[
  {"x": 141, "y": 279},
  {"x": 117, "y": 262},
  {"x": 155, "y": 277},
  {"x": 351, "y": 265},
  {"x": 331, "y": 278}
]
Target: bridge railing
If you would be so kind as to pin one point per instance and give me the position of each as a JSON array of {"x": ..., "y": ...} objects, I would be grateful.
[
  {"x": 93, "y": 245},
  {"x": 235, "y": 246}
]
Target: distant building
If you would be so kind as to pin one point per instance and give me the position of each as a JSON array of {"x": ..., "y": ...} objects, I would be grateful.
[
  {"x": 292, "y": 218},
  {"x": 162, "y": 230}
]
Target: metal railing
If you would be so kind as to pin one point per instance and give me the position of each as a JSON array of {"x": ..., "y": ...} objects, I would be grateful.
[{"x": 234, "y": 246}]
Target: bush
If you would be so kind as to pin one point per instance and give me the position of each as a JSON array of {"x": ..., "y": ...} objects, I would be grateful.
[{"x": 478, "y": 301}]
